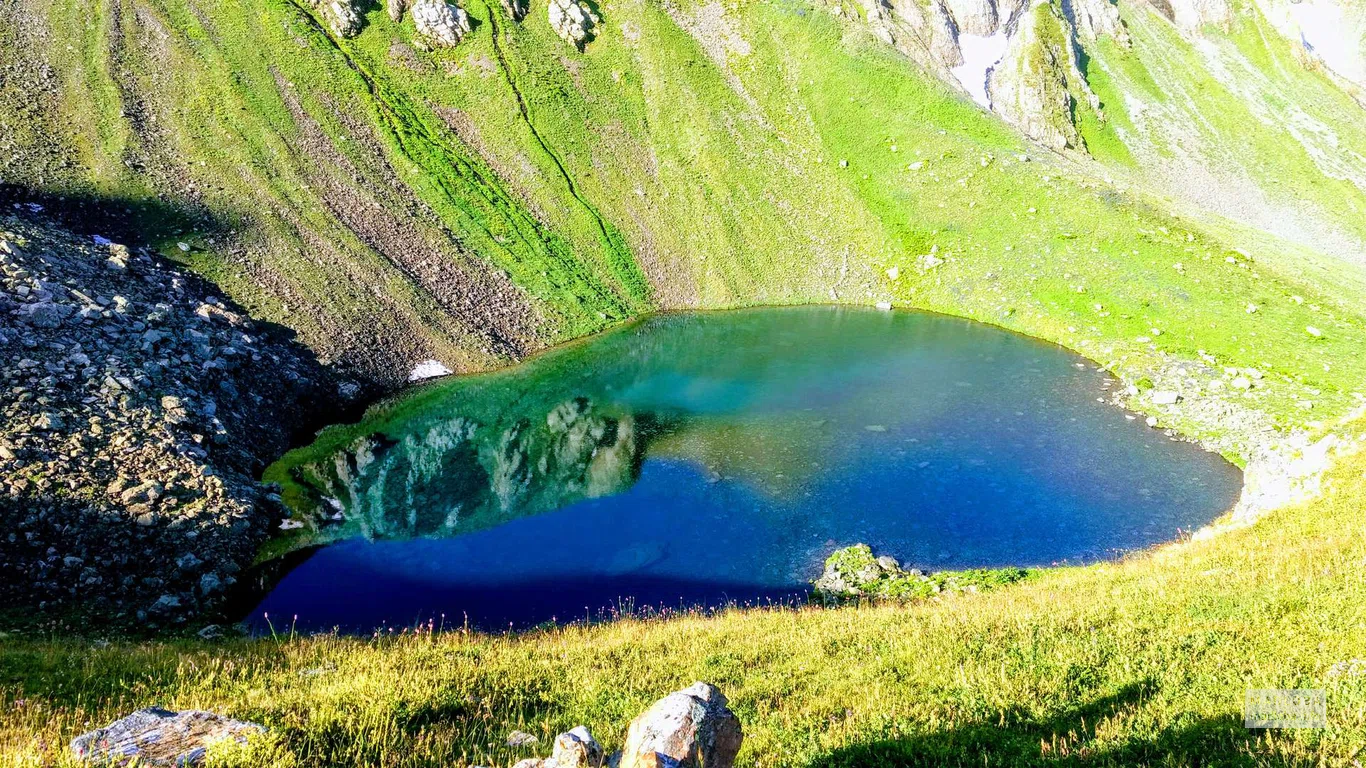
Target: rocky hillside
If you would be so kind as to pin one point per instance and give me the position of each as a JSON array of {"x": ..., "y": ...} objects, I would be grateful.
[{"x": 139, "y": 407}]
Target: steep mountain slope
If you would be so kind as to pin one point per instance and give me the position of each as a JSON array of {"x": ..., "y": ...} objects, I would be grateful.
[
  {"x": 393, "y": 201},
  {"x": 1226, "y": 105}
]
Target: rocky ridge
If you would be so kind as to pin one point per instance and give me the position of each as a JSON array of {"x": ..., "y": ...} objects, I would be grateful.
[
  {"x": 441, "y": 24},
  {"x": 1036, "y": 82},
  {"x": 138, "y": 410}
]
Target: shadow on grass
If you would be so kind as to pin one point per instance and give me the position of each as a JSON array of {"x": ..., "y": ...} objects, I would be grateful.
[
  {"x": 1067, "y": 739},
  {"x": 148, "y": 222}
]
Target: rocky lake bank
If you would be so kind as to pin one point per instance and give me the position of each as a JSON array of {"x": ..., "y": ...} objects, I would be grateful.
[{"x": 139, "y": 409}]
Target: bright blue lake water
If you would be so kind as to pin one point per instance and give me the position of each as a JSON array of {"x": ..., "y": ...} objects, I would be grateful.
[{"x": 700, "y": 459}]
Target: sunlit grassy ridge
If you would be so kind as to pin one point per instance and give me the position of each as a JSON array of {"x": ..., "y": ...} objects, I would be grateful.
[{"x": 1143, "y": 662}]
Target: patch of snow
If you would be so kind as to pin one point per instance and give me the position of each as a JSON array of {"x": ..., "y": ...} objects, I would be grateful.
[
  {"x": 1325, "y": 32},
  {"x": 102, "y": 240},
  {"x": 980, "y": 55},
  {"x": 428, "y": 369}
]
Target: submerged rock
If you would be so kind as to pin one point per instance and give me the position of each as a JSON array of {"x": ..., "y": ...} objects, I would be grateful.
[
  {"x": 691, "y": 728},
  {"x": 157, "y": 736}
]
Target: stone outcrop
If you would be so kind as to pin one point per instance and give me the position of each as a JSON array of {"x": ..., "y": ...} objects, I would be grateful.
[
  {"x": 160, "y": 737},
  {"x": 439, "y": 23},
  {"x": 573, "y": 21},
  {"x": 853, "y": 573},
  {"x": 515, "y": 9},
  {"x": 691, "y": 728},
  {"x": 1191, "y": 15},
  {"x": 1092, "y": 19},
  {"x": 343, "y": 18},
  {"x": 136, "y": 411},
  {"x": 1035, "y": 85},
  {"x": 396, "y": 9},
  {"x": 974, "y": 17}
]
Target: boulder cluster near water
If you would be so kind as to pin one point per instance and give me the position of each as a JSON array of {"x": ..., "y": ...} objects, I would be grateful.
[{"x": 138, "y": 409}]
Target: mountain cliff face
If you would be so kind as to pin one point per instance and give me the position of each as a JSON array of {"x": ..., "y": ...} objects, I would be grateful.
[{"x": 1172, "y": 95}]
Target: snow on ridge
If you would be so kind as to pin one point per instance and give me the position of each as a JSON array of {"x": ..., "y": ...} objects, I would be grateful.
[{"x": 980, "y": 54}]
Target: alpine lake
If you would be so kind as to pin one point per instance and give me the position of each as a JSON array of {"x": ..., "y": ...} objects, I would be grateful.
[{"x": 697, "y": 460}]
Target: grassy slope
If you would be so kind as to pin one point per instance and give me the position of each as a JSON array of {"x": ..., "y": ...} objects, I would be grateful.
[
  {"x": 1136, "y": 663},
  {"x": 1269, "y": 133},
  {"x": 731, "y": 198},
  {"x": 722, "y": 179}
]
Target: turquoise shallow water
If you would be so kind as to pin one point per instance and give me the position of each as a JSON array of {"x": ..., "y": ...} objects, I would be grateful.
[{"x": 697, "y": 459}]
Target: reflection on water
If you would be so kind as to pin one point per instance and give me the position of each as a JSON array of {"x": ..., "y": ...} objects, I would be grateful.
[{"x": 691, "y": 459}]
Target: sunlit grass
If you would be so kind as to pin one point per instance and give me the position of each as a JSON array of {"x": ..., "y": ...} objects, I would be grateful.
[{"x": 1142, "y": 662}]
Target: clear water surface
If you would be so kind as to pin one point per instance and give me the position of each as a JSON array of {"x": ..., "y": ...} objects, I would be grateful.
[{"x": 699, "y": 459}]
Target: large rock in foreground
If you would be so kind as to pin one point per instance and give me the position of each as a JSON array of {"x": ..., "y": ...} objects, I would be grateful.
[
  {"x": 160, "y": 737},
  {"x": 691, "y": 728}
]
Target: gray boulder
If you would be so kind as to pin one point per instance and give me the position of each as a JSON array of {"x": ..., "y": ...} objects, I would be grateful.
[
  {"x": 691, "y": 728},
  {"x": 577, "y": 749},
  {"x": 157, "y": 736},
  {"x": 44, "y": 314}
]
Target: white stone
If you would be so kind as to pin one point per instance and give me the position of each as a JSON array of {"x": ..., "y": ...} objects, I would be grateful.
[
  {"x": 573, "y": 22},
  {"x": 440, "y": 23},
  {"x": 428, "y": 369},
  {"x": 1165, "y": 397}
]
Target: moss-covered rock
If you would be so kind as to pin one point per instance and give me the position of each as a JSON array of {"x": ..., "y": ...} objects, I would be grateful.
[{"x": 854, "y": 573}]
